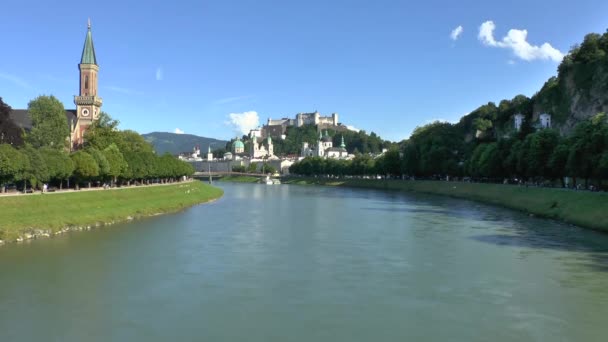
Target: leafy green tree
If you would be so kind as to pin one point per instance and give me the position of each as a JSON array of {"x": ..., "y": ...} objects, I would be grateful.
[
  {"x": 37, "y": 171},
  {"x": 10, "y": 133},
  {"x": 389, "y": 163},
  {"x": 116, "y": 162},
  {"x": 558, "y": 161},
  {"x": 102, "y": 162},
  {"x": 85, "y": 167},
  {"x": 131, "y": 141},
  {"x": 269, "y": 168},
  {"x": 11, "y": 164},
  {"x": 588, "y": 143},
  {"x": 49, "y": 123},
  {"x": 252, "y": 168},
  {"x": 59, "y": 164},
  {"x": 542, "y": 145},
  {"x": 103, "y": 132}
]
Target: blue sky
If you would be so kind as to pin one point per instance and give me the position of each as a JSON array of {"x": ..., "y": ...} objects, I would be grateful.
[{"x": 384, "y": 66}]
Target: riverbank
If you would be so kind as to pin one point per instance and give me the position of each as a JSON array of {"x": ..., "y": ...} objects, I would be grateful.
[
  {"x": 581, "y": 208},
  {"x": 44, "y": 215},
  {"x": 241, "y": 179}
]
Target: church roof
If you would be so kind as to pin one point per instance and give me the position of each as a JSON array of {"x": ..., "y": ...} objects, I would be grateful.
[
  {"x": 239, "y": 143},
  {"x": 88, "y": 51},
  {"x": 22, "y": 118},
  {"x": 336, "y": 149}
]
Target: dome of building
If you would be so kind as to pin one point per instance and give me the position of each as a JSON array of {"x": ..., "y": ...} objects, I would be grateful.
[
  {"x": 239, "y": 144},
  {"x": 327, "y": 138}
]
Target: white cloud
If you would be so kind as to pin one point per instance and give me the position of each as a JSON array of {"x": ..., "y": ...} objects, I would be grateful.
[
  {"x": 242, "y": 123},
  {"x": 456, "y": 32},
  {"x": 516, "y": 40},
  {"x": 178, "y": 131},
  {"x": 15, "y": 80},
  {"x": 159, "y": 74},
  {"x": 511, "y": 62}
]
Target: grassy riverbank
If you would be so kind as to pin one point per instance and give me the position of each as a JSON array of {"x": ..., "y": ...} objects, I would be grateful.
[
  {"x": 582, "y": 208},
  {"x": 51, "y": 212},
  {"x": 240, "y": 179}
]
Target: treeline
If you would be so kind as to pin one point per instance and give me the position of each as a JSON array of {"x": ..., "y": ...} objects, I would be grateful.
[
  {"x": 108, "y": 155},
  {"x": 437, "y": 150},
  {"x": 388, "y": 163}
]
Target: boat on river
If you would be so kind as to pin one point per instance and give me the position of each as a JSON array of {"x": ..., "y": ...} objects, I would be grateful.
[{"x": 270, "y": 181}]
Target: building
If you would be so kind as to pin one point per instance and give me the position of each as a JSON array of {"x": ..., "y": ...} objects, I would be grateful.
[
  {"x": 324, "y": 148},
  {"x": 238, "y": 147},
  {"x": 259, "y": 150},
  {"x": 88, "y": 103},
  {"x": 315, "y": 118},
  {"x": 545, "y": 120},
  {"x": 278, "y": 128},
  {"x": 518, "y": 120},
  {"x": 195, "y": 155}
]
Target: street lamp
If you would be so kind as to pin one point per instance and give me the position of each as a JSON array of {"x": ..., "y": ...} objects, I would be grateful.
[{"x": 209, "y": 162}]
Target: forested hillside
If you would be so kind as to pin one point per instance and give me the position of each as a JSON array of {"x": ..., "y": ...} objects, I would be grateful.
[
  {"x": 577, "y": 93},
  {"x": 172, "y": 143}
]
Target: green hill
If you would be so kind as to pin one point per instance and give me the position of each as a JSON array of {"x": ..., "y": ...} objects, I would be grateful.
[
  {"x": 577, "y": 93},
  {"x": 178, "y": 143}
]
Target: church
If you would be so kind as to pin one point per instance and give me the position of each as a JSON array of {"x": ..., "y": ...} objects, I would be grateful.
[
  {"x": 88, "y": 104},
  {"x": 324, "y": 148}
]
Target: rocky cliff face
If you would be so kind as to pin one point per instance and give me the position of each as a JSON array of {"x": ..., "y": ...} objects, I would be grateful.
[{"x": 580, "y": 90}]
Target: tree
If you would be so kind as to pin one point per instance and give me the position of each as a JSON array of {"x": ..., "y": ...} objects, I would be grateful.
[
  {"x": 558, "y": 161},
  {"x": 59, "y": 164},
  {"x": 49, "y": 123},
  {"x": 102, "y": 162},
  {"x": 10, "y": 133},
  {"x": 85, "y": 167},
  {"x": 116, "y": 162},
  {"x": 389, "y": 163},
  {"x": 103, "y": 132},
  {"x": 11, "y": 164},
  {"x": 131, "y": 141},
  {"x": 36, "y": 171},
  {"x": 542, "y": 144}
]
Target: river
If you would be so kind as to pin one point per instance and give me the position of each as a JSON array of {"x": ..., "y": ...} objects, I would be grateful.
[{"x": 298, "y": 263}]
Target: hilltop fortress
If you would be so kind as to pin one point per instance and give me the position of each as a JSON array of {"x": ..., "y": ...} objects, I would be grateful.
[{"x": 277, "y": 128}]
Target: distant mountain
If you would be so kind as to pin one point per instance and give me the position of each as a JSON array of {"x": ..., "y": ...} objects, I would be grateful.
[{"x": 178, "y": 143}]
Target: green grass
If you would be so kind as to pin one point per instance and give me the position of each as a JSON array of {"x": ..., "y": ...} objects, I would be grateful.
[
  {"x": 240, "y": 179},
  {"x": 22, "y": 214},
  {"x": 582, "y": 208}
]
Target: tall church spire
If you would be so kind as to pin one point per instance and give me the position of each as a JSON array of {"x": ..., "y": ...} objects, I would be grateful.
[{"x": 88, "y": 51}]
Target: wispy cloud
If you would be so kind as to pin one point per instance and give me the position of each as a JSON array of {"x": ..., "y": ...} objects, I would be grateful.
[
  {"x": 456, "y": 32},
  {"x": 18, "y": 81},
  {"x": 159, "y": 74},
  {"x": 232, "y": 99},
  {"x": 124, "y": 90},
  {"x": 516, "y": 40},
  {"x": 242, "y": 123},
  {"x": 178, "y": 131}
]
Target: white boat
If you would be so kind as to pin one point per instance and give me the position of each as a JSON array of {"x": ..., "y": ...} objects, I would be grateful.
[{"x": 271, "y": 181}]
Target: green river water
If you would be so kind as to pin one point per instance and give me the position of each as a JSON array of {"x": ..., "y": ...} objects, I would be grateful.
[{"x": 297, "y": 263}]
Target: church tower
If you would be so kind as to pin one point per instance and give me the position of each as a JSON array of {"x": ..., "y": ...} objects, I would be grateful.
[{"x": 88, "y": 104}]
